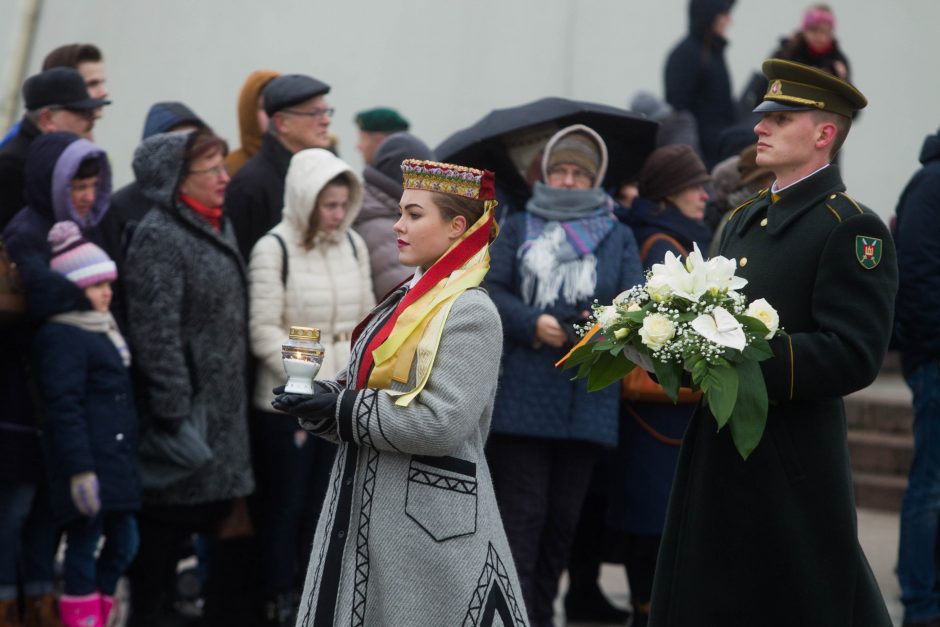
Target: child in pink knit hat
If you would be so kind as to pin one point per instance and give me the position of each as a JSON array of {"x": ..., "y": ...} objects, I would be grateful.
[{"x": 89, "y": 432}]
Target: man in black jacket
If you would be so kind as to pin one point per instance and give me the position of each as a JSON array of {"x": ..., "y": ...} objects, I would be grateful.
[
  {"x": 299, "y": 119},
  {"x": 917, "y": 331}
]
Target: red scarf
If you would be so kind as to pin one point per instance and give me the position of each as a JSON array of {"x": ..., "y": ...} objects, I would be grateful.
[{"x": 212, "y": 215}]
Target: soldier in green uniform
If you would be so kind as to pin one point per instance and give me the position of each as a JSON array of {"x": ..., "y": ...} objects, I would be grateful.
[{"x": 773, "y": 540}]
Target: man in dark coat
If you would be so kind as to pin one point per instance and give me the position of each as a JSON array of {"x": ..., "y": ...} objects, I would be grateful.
[
  {"x": 299, "y": 119},
  {"x": 697, "y": 77},
  {"x": 772, "y": 540},
  {"x": 56, "y": 100},
  {"x": 917, "y": 311}
]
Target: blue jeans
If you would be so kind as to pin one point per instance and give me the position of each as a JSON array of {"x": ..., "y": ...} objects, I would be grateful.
[
  {"x": 83, "y": 574},
  {"x": 28, "y": 540},
  {"x": 920, "y": 511}
]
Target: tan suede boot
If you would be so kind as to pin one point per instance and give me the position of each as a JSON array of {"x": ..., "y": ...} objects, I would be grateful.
[
  {"x": 42, "y": 612},
  {"x": 9, "y": 614}
]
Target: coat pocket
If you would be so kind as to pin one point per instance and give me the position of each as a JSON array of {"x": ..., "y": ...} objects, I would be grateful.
[{"x": 441, "y": 496}]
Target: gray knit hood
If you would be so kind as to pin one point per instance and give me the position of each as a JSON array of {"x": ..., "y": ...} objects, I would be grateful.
[{"x": 158, "y": 166}]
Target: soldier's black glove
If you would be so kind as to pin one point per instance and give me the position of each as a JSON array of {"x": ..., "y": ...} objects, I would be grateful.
[{"x": 167, "y": 425}]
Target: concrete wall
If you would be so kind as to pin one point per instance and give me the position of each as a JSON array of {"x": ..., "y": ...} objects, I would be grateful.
[{"x": 446, "y": 64}]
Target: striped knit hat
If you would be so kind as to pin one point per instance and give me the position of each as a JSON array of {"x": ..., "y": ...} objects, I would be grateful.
[{"x": 79, "y": 260}]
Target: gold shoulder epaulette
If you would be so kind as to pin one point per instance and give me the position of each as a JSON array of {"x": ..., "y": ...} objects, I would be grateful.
[{"x": 842, "y": 206}]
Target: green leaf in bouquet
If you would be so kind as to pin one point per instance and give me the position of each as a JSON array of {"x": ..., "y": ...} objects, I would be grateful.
[
  {"x": 635, "y": 316},
  {"x": 758, "y": 350},
  {"x": 698, "y": 367},
  {"x": 720, "y": 386},
  {"x": 585, "y": 368},
  {"x": 669, "y": 376},
  {"x": 753, "y": 325},
  {"x": 603, "y": 345},
  {"x": 750, "y": 412},
  {"x": 579, "y": 356},
  {"x": 608, "y": 369}
]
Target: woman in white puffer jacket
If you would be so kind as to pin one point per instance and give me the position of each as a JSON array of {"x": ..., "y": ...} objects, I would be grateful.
[{"x": 326, "y": 285}]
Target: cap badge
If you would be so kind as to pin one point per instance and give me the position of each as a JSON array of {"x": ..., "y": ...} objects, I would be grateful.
[
  {"x": 776, "y": 87},
  {"x": 868, "y": 251}
]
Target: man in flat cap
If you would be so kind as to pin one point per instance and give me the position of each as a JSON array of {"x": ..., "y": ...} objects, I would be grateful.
[
  {"x": 772, "y": 540},
  {"x": 299, "y": 119},
  {"x": 374, "y": 126},
  {"x": 56, "y": 100}
]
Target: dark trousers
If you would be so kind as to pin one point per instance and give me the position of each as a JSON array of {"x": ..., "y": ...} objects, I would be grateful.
[
  {"x": 293, "y": 471},
  {"x": 87, "y": 570},
  {"x": 540, "y": 487},
  {"x": 639, "y": 559},
  {"x": 165, "y": 534}
]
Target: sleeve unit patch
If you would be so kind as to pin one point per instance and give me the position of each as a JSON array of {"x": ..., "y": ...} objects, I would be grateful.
[{"x": 868, "y": 251}]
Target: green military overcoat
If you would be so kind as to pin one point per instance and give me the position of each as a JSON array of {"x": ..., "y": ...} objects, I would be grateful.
[{"x": 773, "y": 540}]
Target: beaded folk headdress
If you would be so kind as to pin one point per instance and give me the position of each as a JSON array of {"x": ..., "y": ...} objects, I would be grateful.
[{"x": 448, "y": 178}]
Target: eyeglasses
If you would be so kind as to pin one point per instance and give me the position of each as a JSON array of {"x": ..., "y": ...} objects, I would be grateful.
[
  {"x": 316, "y": 113},
  {"x": 562, "y": 172},
  {"x": 216, "y": 171}
]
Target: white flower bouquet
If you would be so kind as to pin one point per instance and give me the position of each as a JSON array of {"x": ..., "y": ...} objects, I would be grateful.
[{"x": 688, "y": 317}]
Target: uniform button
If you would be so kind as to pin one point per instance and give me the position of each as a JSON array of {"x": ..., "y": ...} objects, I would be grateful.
[
  {"x": 833, "y": 197},
  {"x": 119, "y": 437},
  {"x": 763, "y": 222},
  {"x": 743, "y": 262},
  {"x": 340, "y": 534}
]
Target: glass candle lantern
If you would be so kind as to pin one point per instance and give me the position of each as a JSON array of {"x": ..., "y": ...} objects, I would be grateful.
[{"x": 302, "y": 355}]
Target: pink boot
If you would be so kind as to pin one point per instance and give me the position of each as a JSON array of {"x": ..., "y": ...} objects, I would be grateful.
[
  {"x": 107, "y": 604},
  {"x": 82, "y": 611}
]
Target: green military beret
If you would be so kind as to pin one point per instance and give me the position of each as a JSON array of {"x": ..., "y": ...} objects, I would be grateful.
[
  {"x": 796, "y": 87},
  {"x": 381, "y": 120}
]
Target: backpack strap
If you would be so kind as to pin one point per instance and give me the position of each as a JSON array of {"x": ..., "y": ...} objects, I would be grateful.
[
  {"x": 657, "y": 237},
  {"x": 280, "y": 240},
  {"x": 353, "y": 244}
]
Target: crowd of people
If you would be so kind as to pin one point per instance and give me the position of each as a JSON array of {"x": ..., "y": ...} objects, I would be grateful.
[{"x": 138, "y": 372}]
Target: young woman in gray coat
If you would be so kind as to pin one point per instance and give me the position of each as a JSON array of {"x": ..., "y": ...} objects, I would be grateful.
[{"x": 410, "y": 533}]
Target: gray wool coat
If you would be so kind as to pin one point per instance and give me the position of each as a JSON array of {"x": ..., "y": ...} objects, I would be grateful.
[
  {"x": 410, "y": 534},
  {"x": 187, "y": 320}
]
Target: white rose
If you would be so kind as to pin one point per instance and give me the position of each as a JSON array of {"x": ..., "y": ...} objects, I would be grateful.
[
  {"x": 657, "y": 331},
  {"x": 762, "y": 310},
  {"x": 607, "y": 316},
  {"x": 633, "y": 307}
]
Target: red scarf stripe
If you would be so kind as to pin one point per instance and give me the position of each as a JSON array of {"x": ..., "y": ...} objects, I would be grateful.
[{"x": 441, "y": 269}]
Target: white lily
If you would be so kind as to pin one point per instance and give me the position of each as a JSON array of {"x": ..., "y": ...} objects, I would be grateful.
[
  {"x": 720, "y": 275},
  {"x": 721, "y": 328},
  {"x": 687, "y": 280}
]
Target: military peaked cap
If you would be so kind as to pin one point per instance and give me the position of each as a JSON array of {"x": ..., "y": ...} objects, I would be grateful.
[{"x": 797, "y": 87}]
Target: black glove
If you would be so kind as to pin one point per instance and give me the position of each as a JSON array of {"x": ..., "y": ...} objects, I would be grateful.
[
  {"x": 167, "y": 425},
  {"x": 317, "y": 407}
]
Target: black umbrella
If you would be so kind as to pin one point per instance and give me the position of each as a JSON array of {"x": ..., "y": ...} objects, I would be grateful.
[{"x": 629, "y": 136}]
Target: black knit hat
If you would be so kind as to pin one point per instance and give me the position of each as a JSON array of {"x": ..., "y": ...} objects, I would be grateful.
[
  {"x": 290, "y": 89},
  {"x": 669, "y": 170}
]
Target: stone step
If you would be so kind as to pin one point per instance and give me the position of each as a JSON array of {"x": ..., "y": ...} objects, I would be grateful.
[
  {"x": 876, "y": 491},
  {"x": 880, "y": 453},
  {"x": 884, "y": 406}
]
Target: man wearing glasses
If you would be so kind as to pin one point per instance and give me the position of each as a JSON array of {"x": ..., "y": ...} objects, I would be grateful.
[
  {"x": 56, "y": 100},
  {"x": 299, "y": 119}
]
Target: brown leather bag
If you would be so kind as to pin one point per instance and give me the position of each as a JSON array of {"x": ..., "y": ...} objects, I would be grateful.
[{"x": 638, "y": 386}]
